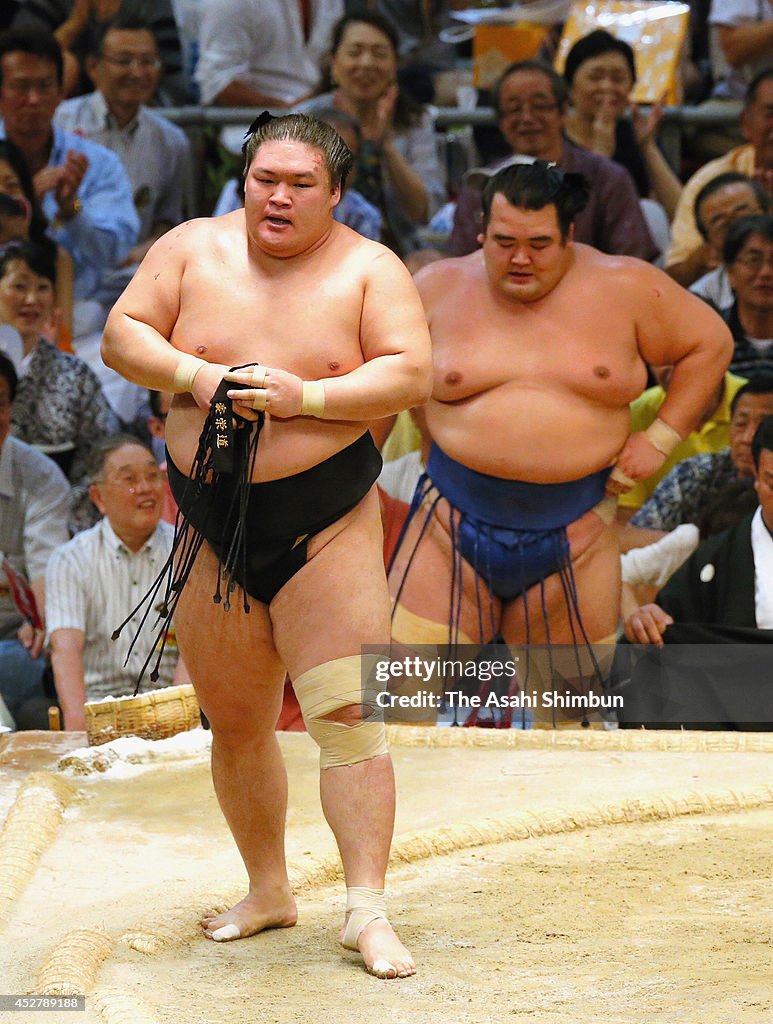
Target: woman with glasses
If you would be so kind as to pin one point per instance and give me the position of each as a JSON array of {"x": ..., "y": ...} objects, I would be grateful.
[{"x": 748, "y": 256}]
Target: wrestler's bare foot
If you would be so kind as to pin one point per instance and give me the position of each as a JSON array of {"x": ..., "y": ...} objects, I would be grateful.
[
  {"x": 253, "y": 914},
  {"x": 383, "y": 953}
]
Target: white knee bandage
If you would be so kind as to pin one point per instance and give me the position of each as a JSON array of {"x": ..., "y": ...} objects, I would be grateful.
[{"x": 330, "y": 687}]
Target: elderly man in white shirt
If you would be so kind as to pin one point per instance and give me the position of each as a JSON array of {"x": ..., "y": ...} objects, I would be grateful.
[{"x": 95, "y": 581}]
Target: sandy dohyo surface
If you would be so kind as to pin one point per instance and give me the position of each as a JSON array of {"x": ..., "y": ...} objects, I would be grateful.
[{"x": 641, "y": 922}]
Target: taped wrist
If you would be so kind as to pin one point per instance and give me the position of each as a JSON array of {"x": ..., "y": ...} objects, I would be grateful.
[
  {"x": 313, "y": 399},
  {"x": 328, "y": 688},
  {"x": 619, "y": 477},
  {"x": 185, "y": 372},
  {"x": 662, "y": 437}
]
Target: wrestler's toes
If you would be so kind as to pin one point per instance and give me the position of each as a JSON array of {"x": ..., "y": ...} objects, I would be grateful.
[
  {"x": 384, "y": 955},
  {"x": 251, "y": 915}
]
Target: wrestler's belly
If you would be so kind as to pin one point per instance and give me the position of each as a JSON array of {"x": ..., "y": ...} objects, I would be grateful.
[
  {"x": 532, "y": 434},
  {"x": 286, "y": 446}
]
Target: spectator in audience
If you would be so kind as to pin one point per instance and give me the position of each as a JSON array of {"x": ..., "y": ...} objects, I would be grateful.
[
  {"x": 78, "y": 23},
  {"x": 645, "y": 570},
  {"x": 721, "y": 201},
  {"x": 688, "y": 257},
  {"x": 155, "y": 153},
  {"x": 16, "y": 181},
  {"x": 59, "y": 406},
  {"x": 14, "y": 218},
  {"x": 86, "y": 192},
  {"x": 741, "y": 44},
  {"x": 600, "y": 71},
  {"x": 417, "y": 26},
  {"x": 748, "y": 256},
  {"x": 265, "y": 54},
  {"x": 695, "y": 482},
  {"x": 530, "y": 100},
  {"x": 34, "y": 502},
  {"x": 94, "y": 582},
  {"x": 353, "y": 208},
  {"x": 397, "y": 167},
  {"x": 712, "y": 433},
  {"x": 728, "y": 582},
  {"x": 722, "y": 594}
]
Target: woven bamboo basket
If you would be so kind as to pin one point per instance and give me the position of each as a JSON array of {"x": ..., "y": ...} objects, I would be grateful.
[{"x": 151, "y": 716}]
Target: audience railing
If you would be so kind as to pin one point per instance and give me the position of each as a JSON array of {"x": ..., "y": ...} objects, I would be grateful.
[{"x": 676, "y": 121}]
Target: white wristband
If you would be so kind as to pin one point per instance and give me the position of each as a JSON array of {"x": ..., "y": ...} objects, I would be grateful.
[
  {"x": 313, "y": 400},
  {"x": 662, "y": 437},
  {"x": 185, "y": 373}
]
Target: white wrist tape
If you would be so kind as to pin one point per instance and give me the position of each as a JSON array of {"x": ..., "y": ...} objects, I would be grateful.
[
  {"x": 619, "y": 477},
  {"x": 186, "y": 371},
  {"x": 662, "y": 437},
  {"x": 313, "y": 400}
]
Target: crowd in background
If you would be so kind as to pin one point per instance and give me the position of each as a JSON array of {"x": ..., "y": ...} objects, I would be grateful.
[{"x": 92, "y": 173}]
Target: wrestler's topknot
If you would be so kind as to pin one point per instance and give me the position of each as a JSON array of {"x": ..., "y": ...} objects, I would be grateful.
[
  {"x": 533, "y": 186},
  {"x": 312, "y": 132}
]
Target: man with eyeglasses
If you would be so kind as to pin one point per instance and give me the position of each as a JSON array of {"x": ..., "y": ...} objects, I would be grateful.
[
  {"x": 531, "y": 101},
  {"x": 95, "y": 580},
  {"x": 125, "y": 69},
  {"x": 86, "y": 192},
  {"x": 721, "y": 201},
  {"x": 748, "y": 256}
]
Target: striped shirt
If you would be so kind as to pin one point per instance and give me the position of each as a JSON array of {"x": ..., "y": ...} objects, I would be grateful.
[{"x": 92, "y": 583}]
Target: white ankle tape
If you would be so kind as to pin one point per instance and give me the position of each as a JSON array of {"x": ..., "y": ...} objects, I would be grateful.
[{"x": 363, "y": 905}]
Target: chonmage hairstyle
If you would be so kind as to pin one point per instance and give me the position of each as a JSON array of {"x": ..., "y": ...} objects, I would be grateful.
[
  {"x": 534, "y": 186},
  {"x": 301, "y": 128}
]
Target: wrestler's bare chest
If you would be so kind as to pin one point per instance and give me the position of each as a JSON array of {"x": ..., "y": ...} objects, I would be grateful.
[
  {"x": 572, "y": 344},
  {"x": 304, "y": 318}
]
